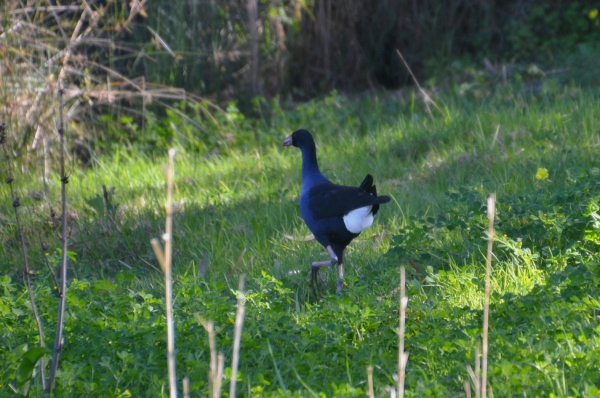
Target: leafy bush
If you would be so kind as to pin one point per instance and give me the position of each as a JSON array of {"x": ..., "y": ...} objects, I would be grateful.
[{"x": 552, "y": 30}]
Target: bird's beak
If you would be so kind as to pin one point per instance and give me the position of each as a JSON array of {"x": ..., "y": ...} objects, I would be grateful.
[{"x": 288, "y": 141}]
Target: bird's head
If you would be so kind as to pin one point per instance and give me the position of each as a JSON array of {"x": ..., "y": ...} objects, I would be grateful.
[{"x": 299, "y": 138}]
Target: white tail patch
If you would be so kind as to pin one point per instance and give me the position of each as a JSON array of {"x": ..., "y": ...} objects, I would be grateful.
[{"x": 359, "y": 219}]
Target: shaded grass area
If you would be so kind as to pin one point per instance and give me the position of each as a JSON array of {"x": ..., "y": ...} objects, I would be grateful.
[{"x": 239, "y": 214}]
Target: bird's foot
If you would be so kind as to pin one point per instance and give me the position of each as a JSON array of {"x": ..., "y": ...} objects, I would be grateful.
[
  {"x": 340, "y": 279},
  {"x": 339, "y": 286},
  {"x": 315, "y": 275}
]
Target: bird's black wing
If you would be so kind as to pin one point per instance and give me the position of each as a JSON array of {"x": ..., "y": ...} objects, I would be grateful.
[{"x": 330, "y": 200}]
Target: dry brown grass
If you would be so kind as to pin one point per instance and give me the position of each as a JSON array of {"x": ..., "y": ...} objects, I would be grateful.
[{"x": 79, "y": 45}]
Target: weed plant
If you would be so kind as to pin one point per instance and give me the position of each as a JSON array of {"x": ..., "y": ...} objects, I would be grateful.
[{"x": 238, "y": 214}]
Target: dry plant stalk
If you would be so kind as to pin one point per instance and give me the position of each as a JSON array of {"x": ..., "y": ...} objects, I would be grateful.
[
  {"x": 165, "y": 260},
  {"x": 370, "y": 381},
  {"x": 426, "y": 97},
  {"x": 212, "y": 373},
  {"x": 402, "y": 356},
  {"x": 212, "y": 370},
  {"x": 491, "y": 211},
  {"x": 58, "y": 343},
  {"x": 217, "y": 361},
  {"x": 479, "y": 376},
  {"x": 46, "y": 44},
  {"x": 478, "y": 370},
  {"x": 475, "y": 379},
  {"x": 219, "y": 377},
  {"x": 26, "y": 270},
  {"x": 392, "y": 390},
  {"x": 467, "y": 387},
  {"x": 237, "y": 336},
  {"x": 475, "y": 376},
  {"x": 186, "y": 387}
]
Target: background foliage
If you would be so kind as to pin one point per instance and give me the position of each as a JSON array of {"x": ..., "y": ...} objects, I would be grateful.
[
  {"x": 310, "y": 47},
  {"x": 140, "y": 61}
]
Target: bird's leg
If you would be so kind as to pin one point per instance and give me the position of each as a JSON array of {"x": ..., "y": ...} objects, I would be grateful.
[
  {"x": 332, "y": 254},
  {"x": 340, "y": 281},
  {"x": 334, "y": 259},
  {"x": 315, "y": 266},
  {"x": 314, "y": 271}
]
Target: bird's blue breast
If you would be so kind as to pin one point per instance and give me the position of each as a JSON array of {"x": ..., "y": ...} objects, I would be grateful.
[
  {"x": 317, "y": 227},
  {"x": 306, "y": 213}
]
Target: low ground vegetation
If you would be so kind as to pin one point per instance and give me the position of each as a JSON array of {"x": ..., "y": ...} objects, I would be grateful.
[{"x": 535, "y": 147}]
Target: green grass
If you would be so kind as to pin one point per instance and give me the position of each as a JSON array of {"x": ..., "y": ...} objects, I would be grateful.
[{"x": 239, "y": 210}]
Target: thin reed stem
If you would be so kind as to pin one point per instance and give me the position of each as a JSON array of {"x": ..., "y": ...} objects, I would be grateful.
[
  {"x": 219, "y": 378},
  {"x": 237, "y": 336},
  {"x": 491, "y": 211},
  {"x": 370, "y": 381},
  {"x": 402, "y": 356},
  {"x": 478, "y": 370},
  {"x": 165, "y": 260},
  {"x": 168, "y": 238},
  {"x": 467, "y": 387},
  {"x": 186, "y": 387},
  {"x": 214, "y": 384},
  {"x": 427, "y": 98},
  {"x": 58, "y": 343}
]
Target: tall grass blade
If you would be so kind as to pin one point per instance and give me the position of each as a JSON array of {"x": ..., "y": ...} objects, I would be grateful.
[{"x": 277, "y": 373}]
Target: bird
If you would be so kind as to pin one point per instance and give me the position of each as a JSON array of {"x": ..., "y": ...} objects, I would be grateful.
[{"x": 335, "y": 214}]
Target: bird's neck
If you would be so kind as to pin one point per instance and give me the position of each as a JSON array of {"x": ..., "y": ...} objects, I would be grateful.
[{"x": 310, "y": 167}]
